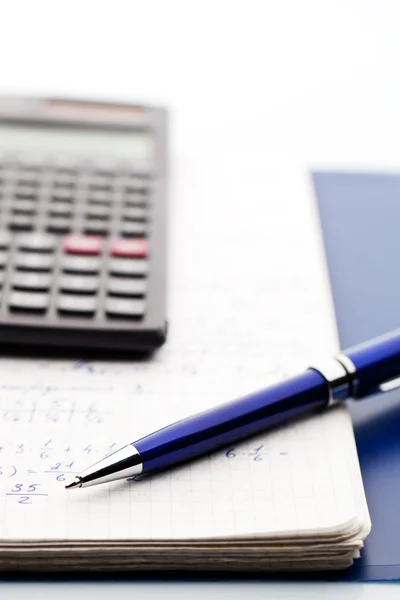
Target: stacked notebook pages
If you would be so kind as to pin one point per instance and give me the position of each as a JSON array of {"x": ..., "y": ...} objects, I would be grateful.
[{"x": 289, "y": 499}]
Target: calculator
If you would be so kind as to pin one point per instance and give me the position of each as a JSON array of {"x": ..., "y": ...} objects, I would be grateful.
[{"x": 83, "y": 189}]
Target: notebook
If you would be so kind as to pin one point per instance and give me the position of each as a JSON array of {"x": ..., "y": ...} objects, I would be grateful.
[{"x": 249, "y": 304}]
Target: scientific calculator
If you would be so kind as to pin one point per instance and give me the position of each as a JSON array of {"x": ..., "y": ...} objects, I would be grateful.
[{"x": 82, "y": 224}]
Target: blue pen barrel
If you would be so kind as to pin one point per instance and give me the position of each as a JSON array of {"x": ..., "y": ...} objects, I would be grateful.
[
  {"x": 228, "y": 423},
  {"x": 375, "y": 363}
]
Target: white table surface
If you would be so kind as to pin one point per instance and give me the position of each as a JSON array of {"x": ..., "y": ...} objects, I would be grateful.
[
  {"x": 290, "y": 83},
  {"x": 198, "y": 591}
]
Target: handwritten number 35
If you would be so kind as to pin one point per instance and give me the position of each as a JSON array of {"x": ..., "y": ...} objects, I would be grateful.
[{"x": 29, "y": 490}]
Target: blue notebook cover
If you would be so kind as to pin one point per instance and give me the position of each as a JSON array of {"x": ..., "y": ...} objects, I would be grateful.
[{"x": 360, "y": 219}]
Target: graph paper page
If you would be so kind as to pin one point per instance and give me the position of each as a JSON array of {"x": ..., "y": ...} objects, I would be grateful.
[{"x": 248, "y": 304}]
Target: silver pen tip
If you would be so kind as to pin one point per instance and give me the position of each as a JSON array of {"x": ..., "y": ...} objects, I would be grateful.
[{"x": 77, "y": 483}]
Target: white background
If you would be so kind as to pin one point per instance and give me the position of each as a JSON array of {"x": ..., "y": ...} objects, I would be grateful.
[
  {"x": 288, "y": 84},
  {"x": 305, "y": 81}
]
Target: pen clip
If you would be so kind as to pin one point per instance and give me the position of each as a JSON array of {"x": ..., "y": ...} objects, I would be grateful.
[{"x": 386, "y": 386}]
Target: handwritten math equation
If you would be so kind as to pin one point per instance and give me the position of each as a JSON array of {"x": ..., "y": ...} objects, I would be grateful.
[
  {"x": 28, "y": 473},
  {"x": 256, "y": 454},
  {"x": 52, "y": 404}
]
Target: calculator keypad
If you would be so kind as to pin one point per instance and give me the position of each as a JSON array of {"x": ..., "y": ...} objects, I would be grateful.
[{"x": 73, "y": 240}]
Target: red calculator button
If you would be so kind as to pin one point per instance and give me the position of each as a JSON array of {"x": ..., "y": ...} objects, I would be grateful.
[
  {"x": 130, "y": 248},
  {"x": 83, "y": 244}
]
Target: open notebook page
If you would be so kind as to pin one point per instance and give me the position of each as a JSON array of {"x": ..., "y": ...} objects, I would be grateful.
[{"x": 249, "y": 303}]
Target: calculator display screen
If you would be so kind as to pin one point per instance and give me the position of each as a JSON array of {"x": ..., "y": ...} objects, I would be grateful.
[{"x": 81, "y": 142}]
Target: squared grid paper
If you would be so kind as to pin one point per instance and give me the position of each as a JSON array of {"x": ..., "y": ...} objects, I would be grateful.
[{"x": 229, "y": 335}]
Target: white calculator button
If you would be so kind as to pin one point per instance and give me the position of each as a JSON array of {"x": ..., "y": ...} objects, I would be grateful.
[
  {"x": 123, "y": 307},
  {"x": 81, "y": 264},
  {"x": 128, "y": 266}
]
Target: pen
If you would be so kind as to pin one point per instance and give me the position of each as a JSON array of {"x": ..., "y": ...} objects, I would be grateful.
[{"x": 356, "y": 373}]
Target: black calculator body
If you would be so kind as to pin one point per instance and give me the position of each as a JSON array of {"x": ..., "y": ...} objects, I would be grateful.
[{"x": 82, "y": 225}]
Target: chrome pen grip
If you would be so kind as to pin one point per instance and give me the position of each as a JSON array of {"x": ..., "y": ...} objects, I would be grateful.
[{"x": 339, "y": 377}]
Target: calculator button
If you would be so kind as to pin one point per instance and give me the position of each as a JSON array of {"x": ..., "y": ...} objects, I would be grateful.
[
  {"x": 60, "y": 209},
  {"x": 136, "y": 184},
  {"x": 100, "y": 183},
  {"x": 5, "y": 239},
  {"x": 132, "y": 229},
  {"x": 99, "y": 197},
  {"x": 98, "y": 211},
  {"x": 104, "y": 167},
  {"x": 37, "y": 242},
  {"x": 83, "y": 244},
  {"x": 76, "y": 304},
  {"x": 29, "y": 301},
  {"x": 25, "y": 207},
  {"x": 62, "y": 195},
  {"x": 64, "y": 180},
  {"x": 81, "y": 264},
  {"x": 34, "y": 262},
  {"x": 59, "y": 225},
  {"x": 135, "y": 199},
  {"x": 130, "y": 248},
  {"x": 96, "y": 227},
  {"x": 21, "y": 223},
  {"x": 67, "y": 168},
  {"x": 25, "y": 192},
  {"x": 79, "y": 284},
  {"x": 31, "y": 281},
  {"x": 135, "y": 213},
  {"x": 124, "y": 266},
  {"x": 126, "y": 287},
  {"x": 30, "y": 163},
  {"x": 28, "y": 176},
  {"x": 3, "y": 259},
  {"x": 122, "y": 307}
]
